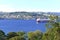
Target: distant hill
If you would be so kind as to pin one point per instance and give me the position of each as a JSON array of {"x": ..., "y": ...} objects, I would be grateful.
[
  {"x": 26, "y": 15},
  {"x": 54, "y": 13}
]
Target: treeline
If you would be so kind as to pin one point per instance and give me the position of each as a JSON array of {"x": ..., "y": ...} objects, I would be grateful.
[{"x": 52, "y": 33}]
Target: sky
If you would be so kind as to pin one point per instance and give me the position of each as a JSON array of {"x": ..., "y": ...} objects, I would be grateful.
[{"x": 30, "y": 5}]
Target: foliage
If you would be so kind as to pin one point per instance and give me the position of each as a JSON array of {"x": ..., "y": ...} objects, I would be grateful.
[
  {"x": 21, "y": 33},
  {"x": 2, "y": 33},
  {"x": 53, "y": 30},
  {"x": 11, "y": 34},
  {"x": 17, "y": 38},
  {"x": 37, "y": 35}
]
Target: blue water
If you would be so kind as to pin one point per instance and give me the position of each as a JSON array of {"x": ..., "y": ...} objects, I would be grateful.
[{"x": 21, "y": 25}]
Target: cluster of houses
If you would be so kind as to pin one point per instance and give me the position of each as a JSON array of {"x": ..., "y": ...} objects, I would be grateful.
[{"x": 15, "y": 17}]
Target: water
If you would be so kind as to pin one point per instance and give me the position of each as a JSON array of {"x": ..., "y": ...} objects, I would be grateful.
[{"x": 21, "y": 25}]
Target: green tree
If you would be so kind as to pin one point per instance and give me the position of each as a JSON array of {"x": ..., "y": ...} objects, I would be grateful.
[
  {"x": 37, "y": 35},
  {"x": 21, "y": 33},
  {"x": 17, "y": 38},
  {"x": 2, "y": 35},
  {"x": 53, "y": 30},
  {"x": 11, "y": 34}
]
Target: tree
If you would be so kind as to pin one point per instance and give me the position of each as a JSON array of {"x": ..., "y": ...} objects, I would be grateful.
[
  {"x": 21, "y": 33},
  {"x": 53, "y": 30},
  {"x": 37, "y": 35},
  {"x": 11, "y": 34},
  {"x": 2, "y": 33},
  {"x": 17, "y": 38}
]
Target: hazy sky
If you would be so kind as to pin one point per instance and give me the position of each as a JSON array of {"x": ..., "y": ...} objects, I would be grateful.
[{"x": 30, "y": 5}]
